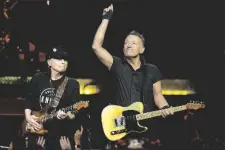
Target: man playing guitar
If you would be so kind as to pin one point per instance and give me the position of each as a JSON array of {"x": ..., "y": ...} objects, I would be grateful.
[
  {"x": 135, "y": 80},
  {"x": 49, "y": 92}
]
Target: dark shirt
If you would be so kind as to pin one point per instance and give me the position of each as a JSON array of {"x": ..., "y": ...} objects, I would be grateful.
[
  {"x": 136, "y": 84},
  {"x": 42, "y": 90},
  {"x": 130, "y": 83}
]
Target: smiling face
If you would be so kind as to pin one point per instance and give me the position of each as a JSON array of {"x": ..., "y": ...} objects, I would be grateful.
[
  {"x": 133, "y": 46},
  {"x": 58, "y": 65}
]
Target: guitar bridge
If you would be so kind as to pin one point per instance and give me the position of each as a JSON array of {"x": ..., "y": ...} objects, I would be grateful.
[{"x": 120, "y": 121}]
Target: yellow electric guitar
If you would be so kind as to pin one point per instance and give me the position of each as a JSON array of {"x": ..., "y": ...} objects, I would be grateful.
[
  {"x": 43, "y": 117},
  {"x": 119, "y": 121}
]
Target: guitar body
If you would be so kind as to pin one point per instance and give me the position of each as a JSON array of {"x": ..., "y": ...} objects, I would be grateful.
[
  {"x": 40, "y": 115},
  {"x": 115, "y": 126}
]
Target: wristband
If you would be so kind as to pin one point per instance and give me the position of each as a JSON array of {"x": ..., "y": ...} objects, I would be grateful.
[{"x": 107, "y": 15}]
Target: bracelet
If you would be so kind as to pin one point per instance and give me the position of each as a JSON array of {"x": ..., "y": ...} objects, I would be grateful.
[{"x": 77, "y": 146}]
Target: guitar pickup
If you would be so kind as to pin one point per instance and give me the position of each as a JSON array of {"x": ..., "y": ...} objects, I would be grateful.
[
  {"x": 119, "y": 121},
  {"x": 118, "y": 132}
]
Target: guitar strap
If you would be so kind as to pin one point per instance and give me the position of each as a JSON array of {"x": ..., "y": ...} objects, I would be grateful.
[
  {"x": 144, "y": 79},
  {"x": 146, "y": 87},
  {"x": 144, "y": 84},
  {"x": 148, "y": 105},
  {"x": 59, "y": 92}
]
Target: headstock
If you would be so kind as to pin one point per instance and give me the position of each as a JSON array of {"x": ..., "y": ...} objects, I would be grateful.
[
  {"x": 81, "y": 104},
  {"x": 195, "y": 105}
]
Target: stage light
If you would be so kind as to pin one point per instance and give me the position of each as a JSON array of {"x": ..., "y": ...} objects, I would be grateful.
[
  {"x": 177, "y": 92},
  {"x": 91, "y": 89}
]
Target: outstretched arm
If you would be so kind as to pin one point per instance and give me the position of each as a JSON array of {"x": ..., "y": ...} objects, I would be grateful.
[{"x": 103, "y": 55}]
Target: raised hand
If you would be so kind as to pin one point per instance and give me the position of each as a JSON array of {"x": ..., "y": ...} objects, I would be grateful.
[
  {"x": 65, "y": 143},
  {"x": 41, "y": 143},
  {"x": 78, "y": 135},
  {"x": 107, "y": 12}
]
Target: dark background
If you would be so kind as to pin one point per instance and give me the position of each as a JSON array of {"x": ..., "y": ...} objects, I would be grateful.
[{"x": 179, "y": 41}]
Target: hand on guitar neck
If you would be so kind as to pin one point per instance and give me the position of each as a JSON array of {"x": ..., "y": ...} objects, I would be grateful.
[
  {"x": 61, "y": 115},
  {"x": 166, "y": 111}
]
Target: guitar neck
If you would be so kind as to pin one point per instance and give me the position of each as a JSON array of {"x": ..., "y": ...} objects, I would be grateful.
[
  {"x": 69, "y": 108},
  {"x": 54, "y": 114},
  {"x": 157, "y": 113}
]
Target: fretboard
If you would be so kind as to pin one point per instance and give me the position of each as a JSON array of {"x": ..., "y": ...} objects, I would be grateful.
[
  {"x": 52, "y": 115},
  {"x": 158, "y": 113}
]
